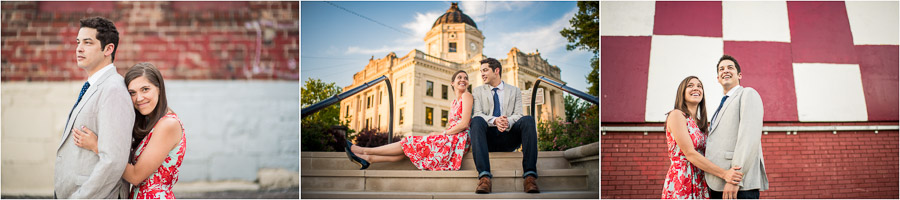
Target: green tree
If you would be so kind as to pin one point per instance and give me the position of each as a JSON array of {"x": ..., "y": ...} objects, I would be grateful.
[
  {"x": 316, "y": 128},
  {"x": 585, "y": 35},
  {"x": 574, "y": 107}
]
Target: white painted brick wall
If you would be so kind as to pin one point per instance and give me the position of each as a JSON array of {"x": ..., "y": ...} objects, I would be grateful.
[{"x": 234, "y": 129}]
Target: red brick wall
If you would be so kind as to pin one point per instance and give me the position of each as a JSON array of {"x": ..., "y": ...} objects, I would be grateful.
[
  {"x": 811, "y": 165},
  {"x": 186, "y": 40}
]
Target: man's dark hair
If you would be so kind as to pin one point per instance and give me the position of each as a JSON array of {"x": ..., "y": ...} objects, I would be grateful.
[
  {"x": 494, "y": 65},
  {"x": 106, "y": 32},
  {"x": 727, "y": 57}
]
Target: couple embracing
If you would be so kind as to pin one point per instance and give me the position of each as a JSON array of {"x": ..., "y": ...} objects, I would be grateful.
[
  {"x": 120, "y": 132},
  {"x": 721, "y": 158},
  {"x": 490, "y": 118}
]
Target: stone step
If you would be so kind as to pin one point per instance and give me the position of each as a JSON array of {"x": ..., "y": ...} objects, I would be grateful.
[
  {"x": 450, "y": 195},
  {"x": 437, "y": 181},
  {"x": 499, "y": 161}
]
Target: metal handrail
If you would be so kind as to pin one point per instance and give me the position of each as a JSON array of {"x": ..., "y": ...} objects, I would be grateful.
[
  {"x": 563, "y": 87},
  {"x": 338, "y": 97}
]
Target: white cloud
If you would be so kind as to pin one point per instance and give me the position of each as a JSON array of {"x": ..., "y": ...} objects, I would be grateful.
[
  {"x": 546, "y": 39},
  {"x": 419, "y": 26},
  {"x": 422, "y": 23},
  {"x": 476, "y": 9}
]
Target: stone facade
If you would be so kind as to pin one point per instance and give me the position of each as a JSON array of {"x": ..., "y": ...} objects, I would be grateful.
[{"x": 420, "y": 81}]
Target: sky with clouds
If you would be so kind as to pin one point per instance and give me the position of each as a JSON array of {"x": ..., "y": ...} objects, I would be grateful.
[{"x": 335, "y": 43}]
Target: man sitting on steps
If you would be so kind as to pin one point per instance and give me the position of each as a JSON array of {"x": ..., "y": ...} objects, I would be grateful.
[{"x": 498, "y": 125}]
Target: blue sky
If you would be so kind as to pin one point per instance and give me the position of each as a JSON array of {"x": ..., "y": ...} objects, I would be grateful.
[{"x": 335, "y": 44}]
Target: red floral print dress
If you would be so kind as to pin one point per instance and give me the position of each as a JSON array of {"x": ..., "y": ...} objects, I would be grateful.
[
  {"x": 439, "y": 152},
  {"x": 684, "y": 180},
  {"x": 159, "y": 185}
]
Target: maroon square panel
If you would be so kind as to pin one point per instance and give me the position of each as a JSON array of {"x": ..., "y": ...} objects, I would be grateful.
[
  {"x": 688, "y": 18},
  {"x": 767, "y": 67},
  {"x": 624, "y": 62},
  {"x": 878, "y": 68},
  {"x": 820, "y": 33}
]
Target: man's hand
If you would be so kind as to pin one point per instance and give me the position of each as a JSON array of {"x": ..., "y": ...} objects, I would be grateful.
[
  {"x": 730, "y": 191},
  {"x": 502, "y": 123}
]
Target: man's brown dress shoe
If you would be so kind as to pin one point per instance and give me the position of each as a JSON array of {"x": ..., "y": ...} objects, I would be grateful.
[
  {"x": 531, "y": 185},
  {"x": 484, "y": 185}
]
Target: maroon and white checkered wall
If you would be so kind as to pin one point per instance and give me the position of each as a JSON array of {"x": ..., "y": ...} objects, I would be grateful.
[
  {"x": 186, "y": 40},
  {"x": 827, "y": 64},
  {"x": 810, "y": 61}
]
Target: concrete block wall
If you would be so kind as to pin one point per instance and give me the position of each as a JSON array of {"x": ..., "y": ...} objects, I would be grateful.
[
  {"x": 808, "y": 165},
  {"x": 234, "y": 129}
]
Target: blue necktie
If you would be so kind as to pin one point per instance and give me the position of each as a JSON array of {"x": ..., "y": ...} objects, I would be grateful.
[
  {"x": 83, "y": 89},
  {"x": 720, "y": 107},
  {"x": 496, "y": 103}
]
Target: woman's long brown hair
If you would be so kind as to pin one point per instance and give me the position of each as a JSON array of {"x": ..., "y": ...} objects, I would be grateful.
[
  {"x": 143, "y": 124},
  {"x": 681, "y": 104}
]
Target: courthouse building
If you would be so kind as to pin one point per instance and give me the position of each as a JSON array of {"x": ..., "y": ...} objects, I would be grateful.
[{"x": 421, "y": 80}]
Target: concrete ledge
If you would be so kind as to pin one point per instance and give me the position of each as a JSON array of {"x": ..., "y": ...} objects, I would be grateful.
[
  {"x": 437, "y": 181},
  {"x": 541, "y": 154},
  {"x": 451, "y": 195},
  {"x": 333, "y": 173},
  {"x": 582, "y": 151},
  {"x": 499, "y": 161}
]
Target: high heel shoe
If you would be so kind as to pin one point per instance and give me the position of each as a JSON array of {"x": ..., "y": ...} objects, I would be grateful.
[{"x": 363, "y": 164}]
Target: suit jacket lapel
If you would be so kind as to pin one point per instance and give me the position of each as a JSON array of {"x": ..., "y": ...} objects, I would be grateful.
[
  {"x": 725, "y": 105},
  {"x": 486, "y": 92},
  {"x": 510, "y": 99},
  {"x": 84, "y": 99}
]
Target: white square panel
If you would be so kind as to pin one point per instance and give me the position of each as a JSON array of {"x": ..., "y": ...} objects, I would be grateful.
[
  {"x": 874, "y": 22},
  {"x": 634, "y": 18},
  {"x": 673, "y": 58},
  {"x": 755, "y": 21},
  {"x": 829, "y": 92}
]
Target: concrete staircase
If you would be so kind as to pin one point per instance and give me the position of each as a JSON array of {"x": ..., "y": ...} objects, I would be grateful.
[{"x": 563, "y": 175}]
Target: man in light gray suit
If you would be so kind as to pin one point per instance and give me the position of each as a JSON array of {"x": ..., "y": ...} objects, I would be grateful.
[
  {"x": 734, "y": 136},
  {"x": 498, "y": 124},
  {"x": 104, "y": 106}
]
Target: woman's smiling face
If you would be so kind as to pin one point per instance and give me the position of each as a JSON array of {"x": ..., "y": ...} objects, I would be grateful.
[{"x": 144, "y": 95}]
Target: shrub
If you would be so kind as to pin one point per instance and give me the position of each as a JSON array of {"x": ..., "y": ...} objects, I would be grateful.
[
  {"x": 559, "y": 135},
  {"x": 319, "y": 136},
  {"x": 373, "y": 138}
]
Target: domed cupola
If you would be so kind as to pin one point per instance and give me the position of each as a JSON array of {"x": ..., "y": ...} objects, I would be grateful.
[{"x": 454, "y": 15}]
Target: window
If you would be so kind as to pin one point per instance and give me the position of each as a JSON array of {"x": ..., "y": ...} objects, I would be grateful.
[
  {"x": 348, "y": 111},
  {"x": 401, "y": 116},
  {"x": 367, "y": 122},
  {"x": 377, "y": 121},
  {"x": 380, "y": 97},
  {"x": 444, "y": 118},
  {"x": 368, "y": 102},
  {"x": 429, "y": 113},
  {"x": 444, "y": 91},
  {"x": 528, "y": 85},
  {"x": 401, "y": 88},
  {"x": 452, "y": 47},
  {"x": 429, "y": 88},
  {"x": 470, "y": 88}
]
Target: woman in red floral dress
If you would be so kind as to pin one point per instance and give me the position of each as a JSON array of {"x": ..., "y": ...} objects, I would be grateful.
[
  {"x": 158, "y": 137},
  {"x": 686, "y": 142},
  {"x": 439, "y": 150}
]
